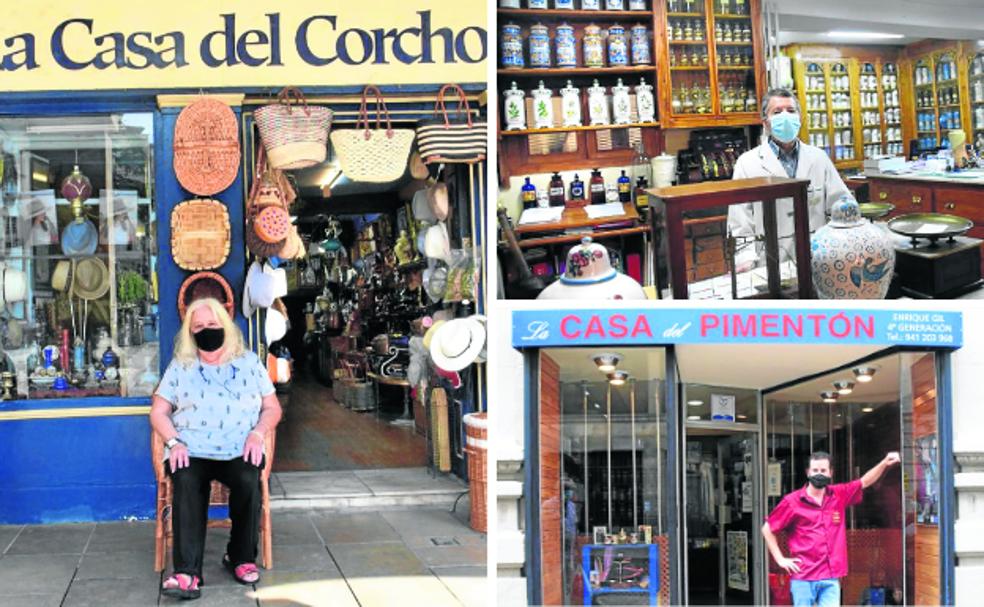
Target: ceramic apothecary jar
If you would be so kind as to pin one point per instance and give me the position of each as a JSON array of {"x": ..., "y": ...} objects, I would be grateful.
[{"x": 851, "y": 257}]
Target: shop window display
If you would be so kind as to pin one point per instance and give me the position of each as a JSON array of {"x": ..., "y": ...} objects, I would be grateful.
[
  {"x": 603, "y": 442},
  {"x": 858, "y": 415},
  {"x": 78, "y": 256}
]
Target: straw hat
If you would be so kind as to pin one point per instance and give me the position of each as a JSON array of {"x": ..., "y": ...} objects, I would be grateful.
[
  {"x": 435, "y": 282},
  {"x": 279, "y": 276},
  {"x": 61, "y": 275},
  {"x": 421, "y": 210},
  {"x": 457, "y": 343},
  {"x": 79, "y": 238},
  {"x": 35, "y": 208},
  {"x": 437, "y": 245},
  {"x": 429, "y": 335},
  {"x": 437, "y": 200},
  {"x": 13, "y": 285},
  {"x": 257, "y": 290},
  {"x": 91, "y": 279},
  {"x": 418, "y": 170}
]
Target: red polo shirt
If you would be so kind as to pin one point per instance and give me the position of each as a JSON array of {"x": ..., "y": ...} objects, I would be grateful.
[{"x": 816, "y": 532}]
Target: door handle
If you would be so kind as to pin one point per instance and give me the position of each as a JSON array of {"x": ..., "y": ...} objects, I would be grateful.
[
  {"x": 949, "y": 206},
  {"x": 882, "y": 195},
  {"x": 917, "y": 200}
]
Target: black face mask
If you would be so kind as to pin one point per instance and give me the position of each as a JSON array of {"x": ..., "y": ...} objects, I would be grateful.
[
  {"x": 210, "y": 339},
  {"x": 819, "y": 480}
]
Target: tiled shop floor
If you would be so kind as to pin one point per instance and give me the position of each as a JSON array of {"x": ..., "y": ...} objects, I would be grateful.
[{"x": 365, "y": 559}]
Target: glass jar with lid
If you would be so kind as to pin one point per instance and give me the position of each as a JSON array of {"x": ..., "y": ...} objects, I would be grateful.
[
  {"x": 512, "y": 47},
  {"x": 593, "y": 46},
  {"x": 539, "y": 46},
  {"x": 566, "y": 46},
  {"x": 618, "y": 50}
]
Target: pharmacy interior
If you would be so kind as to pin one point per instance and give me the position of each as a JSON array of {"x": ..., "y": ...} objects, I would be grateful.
[
  {"x": 609, "y": 107},
  {"x": 657, "y": 443},
  {"x": 337, "y": 213}
]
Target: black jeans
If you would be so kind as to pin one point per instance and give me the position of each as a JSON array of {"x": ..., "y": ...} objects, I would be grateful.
[{"x": 189, "y": 513}]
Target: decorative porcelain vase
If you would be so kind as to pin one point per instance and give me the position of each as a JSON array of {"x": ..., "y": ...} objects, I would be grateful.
[
  {"x": 593, "y": 47},
  {"x": 512, "y": 46},
  {"x": 566, "y": 46},
  {"x": 640, "y": 45},
  {"x": 570, "y": 105},
  {"x": 598, "y": 105},
  {"x": 542, "y": 108},
  {"x": 621, "y": 104},
  {"x": 539, "y": 46},
  {"x": 515, "y": 109},
  {"x": 618, "y": 50},
  {"x": 851, "y": 257},
  {"x": 645, "y": 102}
]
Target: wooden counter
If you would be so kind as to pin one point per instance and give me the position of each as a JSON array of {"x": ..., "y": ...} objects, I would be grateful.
[
  {"x": 699, "y": 196},
  {"x": 934, "y": 193}
]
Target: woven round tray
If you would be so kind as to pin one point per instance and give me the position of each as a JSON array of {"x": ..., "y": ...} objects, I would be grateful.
[
  {"x": 257, "y": 246},
  {"x": 206, "y": 147},
  {"x": 272, "y": 224},
  {"x": 205, "y": 284},
  {"x": 200, "y": 234}
]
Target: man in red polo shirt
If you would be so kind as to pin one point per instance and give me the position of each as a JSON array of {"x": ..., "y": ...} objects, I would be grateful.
[{"x": 813, "y": 518}]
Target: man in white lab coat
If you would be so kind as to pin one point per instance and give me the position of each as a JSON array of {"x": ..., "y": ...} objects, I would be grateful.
[{"x": 782, "y": 155}]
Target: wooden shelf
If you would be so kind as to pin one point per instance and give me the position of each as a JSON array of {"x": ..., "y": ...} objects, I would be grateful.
[
  {"x": 816, "y": 92},
  {"x": 533, "y": 13},
  {"x": 690, "y": 68},
  {"x": 574, "y": 129},
  {"x": 723, "y": 16},
  {"x": 690, "y": 15},
  {"x": 723, "y": 43},
  {"x": 688, "y": 42},
  {"x": 849, "y": 164},
  {"x": 922, "y": 86},
  {"x": 949, "y": 105},
  {"x": 527, "y": 243},
  {"x": 735, "y": 68},
  {"x": 946, "y": 82},
  {"x": 575, "y": 71}
]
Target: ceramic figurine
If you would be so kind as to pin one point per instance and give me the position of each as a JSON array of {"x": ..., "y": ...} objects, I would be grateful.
[
  {"x": 512, "y": 47},
  {"x": 640, "y": 45},
  {"x": 539, "y": 46},
  {"x": 515, "y": 109},
  {"x": 621, "y": 105},
  {"x": 566, "y": 46},
  {"x": 590, "y": 5},
  {"x": 570, "y": 105},
  {"x": 542, "y": 107},
  {"x": 593, "y": 46},
  {"x": 851, "y": 257},
  {"x": 645, "y": 102},
  {"x": 618, "y": 50},
  {"x": 598, "y": 105}
]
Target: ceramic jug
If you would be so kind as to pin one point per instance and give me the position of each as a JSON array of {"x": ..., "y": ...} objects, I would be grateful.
[
  {"x": 570, "y": 104},
  {"x": 515, "y": 109},
  {"x": 598, "y": 105},
  {"x": 645, "y": 102},
  {"x": 542, "y": 107},
  {"x": 621, "y": 105}
]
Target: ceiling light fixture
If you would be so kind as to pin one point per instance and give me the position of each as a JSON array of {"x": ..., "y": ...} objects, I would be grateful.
[
  {"x": 618, "y": 378},
  {"x": 829, "y": 397},
  {"x": 695, "y": 403},
  {"x": 844, "y": 386},
  {"x": 866, "y": 35},
  {"x": 693, "y": 418},
  {"x": 864, "y": 374},
  {"x": 606, "y": 361},
  {"x": 740, "y": 416},
  {"x": 867, "y": 409}
]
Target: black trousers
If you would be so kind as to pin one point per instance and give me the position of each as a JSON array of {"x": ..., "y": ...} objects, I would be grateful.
[{"x": 189, "y": 513}]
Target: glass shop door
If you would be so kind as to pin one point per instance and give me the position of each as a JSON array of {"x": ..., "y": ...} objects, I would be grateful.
[{"x": 721, "y": 512}]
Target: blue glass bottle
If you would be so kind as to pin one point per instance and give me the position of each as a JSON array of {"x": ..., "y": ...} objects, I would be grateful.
[
  {"x": 624, "y": 188},
  {"x": 529, "y": 195}
]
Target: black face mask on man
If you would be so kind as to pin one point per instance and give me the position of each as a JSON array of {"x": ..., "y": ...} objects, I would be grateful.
[
  {"x": 209, "y": 339},
  {"x": 819, "y": 480}
]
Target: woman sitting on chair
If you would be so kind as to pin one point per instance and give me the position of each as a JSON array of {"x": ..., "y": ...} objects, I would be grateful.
[{"x": 213, "y": 407}]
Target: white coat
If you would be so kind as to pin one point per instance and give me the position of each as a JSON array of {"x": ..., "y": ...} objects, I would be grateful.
[{"x": 826, "y": 187}]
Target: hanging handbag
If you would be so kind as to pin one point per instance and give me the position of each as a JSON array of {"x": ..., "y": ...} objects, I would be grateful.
[
  {"x": 373, "y": 155},
  {"x": 455, "y": 138},
  {"x": 294, "y": 133}
]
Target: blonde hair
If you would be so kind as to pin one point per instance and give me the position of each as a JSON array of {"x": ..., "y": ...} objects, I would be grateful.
[{"x": 185, "y": 348}]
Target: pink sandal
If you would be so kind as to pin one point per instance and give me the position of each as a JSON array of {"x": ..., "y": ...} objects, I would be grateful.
[
  {"x": 246, "y": 573},
  {"x": 182, "y": 586}
]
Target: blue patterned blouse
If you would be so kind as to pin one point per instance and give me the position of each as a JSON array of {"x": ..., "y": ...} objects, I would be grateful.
[{"x": 213, "y": 407}]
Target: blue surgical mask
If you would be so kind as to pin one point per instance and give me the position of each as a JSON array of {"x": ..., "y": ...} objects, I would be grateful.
[{"x": 784, "y": 126}]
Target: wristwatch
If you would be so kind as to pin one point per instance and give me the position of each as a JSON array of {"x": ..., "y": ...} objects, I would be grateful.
[{"x": 171, "y": 442}]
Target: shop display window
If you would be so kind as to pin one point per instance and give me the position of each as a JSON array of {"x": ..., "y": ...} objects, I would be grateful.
[
  {"x": 77, "y": 256},
  {"x": 858, "y": 415},
  {"x": 603, "y": 441}
]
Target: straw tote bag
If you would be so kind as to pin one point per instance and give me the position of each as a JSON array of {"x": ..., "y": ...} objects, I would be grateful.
[
  {"x": 373, "y": 155},
  {"x": 200, "y": 234},
  {"x": 455, "y": 138},
  {"x": 295, "y": 136}
]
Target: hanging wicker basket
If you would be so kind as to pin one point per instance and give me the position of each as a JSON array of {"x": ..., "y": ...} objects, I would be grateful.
[
  {"x": 200, "y": 234},
  {"x": 373, "y": 155},
  {"x": 206, "y": 147},
  {"x": 294, "y": 133},
  {"x": 205, "y": 284}
]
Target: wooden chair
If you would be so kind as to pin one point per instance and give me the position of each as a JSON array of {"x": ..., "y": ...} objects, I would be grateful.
[{"x": 219, "y": 497}]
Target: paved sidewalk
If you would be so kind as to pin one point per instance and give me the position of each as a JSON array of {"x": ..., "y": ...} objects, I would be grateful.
[{"x": 369, "y": 559}]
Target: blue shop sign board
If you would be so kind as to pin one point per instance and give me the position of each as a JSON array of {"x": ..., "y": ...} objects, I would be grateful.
[{"x": 642, "y": 327}]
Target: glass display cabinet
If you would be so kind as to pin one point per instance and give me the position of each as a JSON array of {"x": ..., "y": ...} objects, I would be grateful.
[
  {"x": 976, "y": 90},
  {"x": 621, "y": 569}
]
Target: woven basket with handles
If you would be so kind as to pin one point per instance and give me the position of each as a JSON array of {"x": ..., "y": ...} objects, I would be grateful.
[
  {"x": 200, "y": 234},
  {"x": 373, "y": 155},
  {"x": 294, "y": 133}
]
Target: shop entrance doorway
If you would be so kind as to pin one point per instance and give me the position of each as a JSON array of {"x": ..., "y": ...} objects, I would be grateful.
[{"x": 720, "y": 482}]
